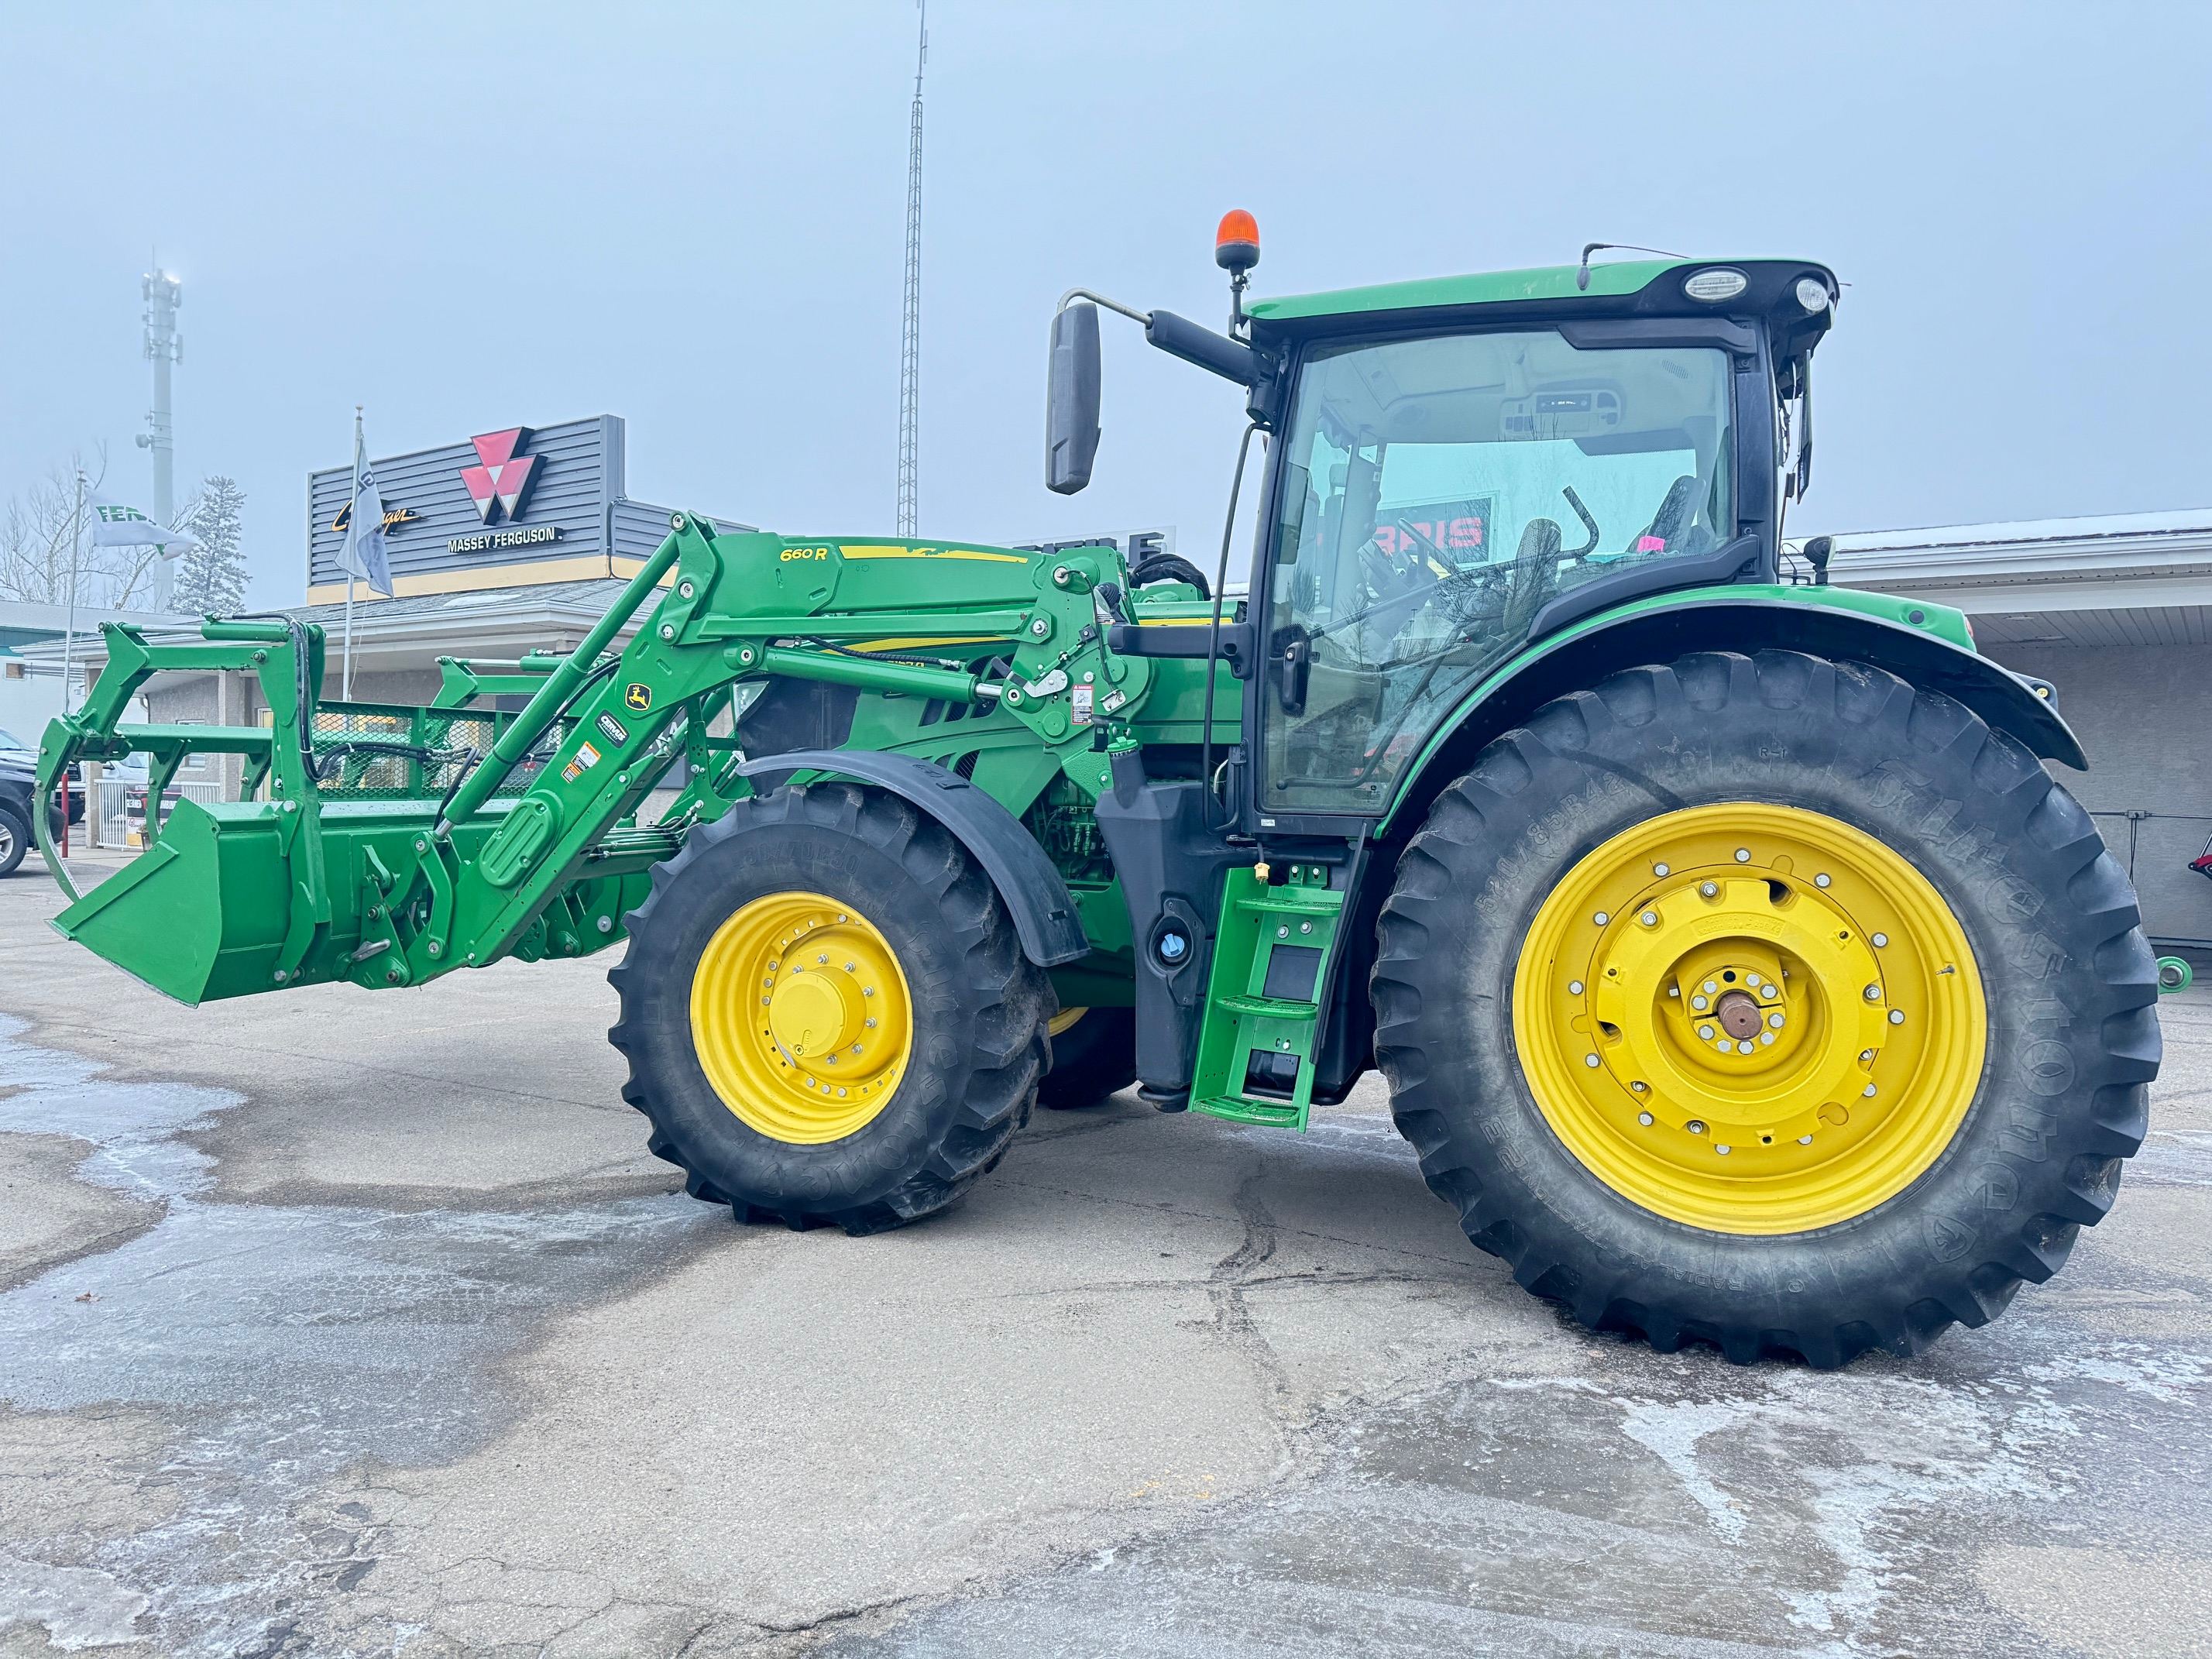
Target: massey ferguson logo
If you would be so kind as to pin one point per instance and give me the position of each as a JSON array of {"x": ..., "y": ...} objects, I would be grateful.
[{"x": 500, "y": 480}]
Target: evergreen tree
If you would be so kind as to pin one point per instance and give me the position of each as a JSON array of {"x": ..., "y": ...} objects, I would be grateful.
[{"x": 211, "y": 577}]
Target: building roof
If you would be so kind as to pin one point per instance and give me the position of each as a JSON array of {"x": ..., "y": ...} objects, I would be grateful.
[
  {"x": 2135, "y": 579},
  {"x": 413, "y": 632}
]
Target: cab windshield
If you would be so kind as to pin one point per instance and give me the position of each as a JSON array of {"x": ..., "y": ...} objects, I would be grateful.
[{"x": 1439, "y": 492}]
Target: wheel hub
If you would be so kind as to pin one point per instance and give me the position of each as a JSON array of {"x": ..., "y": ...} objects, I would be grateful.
[
  {"x": 1758, "y": 984},
  {"x": 800, "y": 1017}
]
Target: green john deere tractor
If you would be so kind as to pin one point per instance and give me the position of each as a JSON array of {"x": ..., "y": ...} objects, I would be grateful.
[{"x": 1738, "y": 972}]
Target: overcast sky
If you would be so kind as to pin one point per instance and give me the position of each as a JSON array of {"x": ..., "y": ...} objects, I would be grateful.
[{"x": 470, "y": 216}]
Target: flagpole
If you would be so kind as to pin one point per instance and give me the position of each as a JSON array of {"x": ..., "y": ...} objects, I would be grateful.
[
  {"x": 353, "y": 531},
  {"x": 68, "y": 633}
]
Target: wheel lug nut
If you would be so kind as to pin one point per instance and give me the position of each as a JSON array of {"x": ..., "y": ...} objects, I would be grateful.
[
  {"x": 1660, "y": 870},
  {"x": 1897, "y": 1017},
  {"x": 1696, "y": 1126},
  {"x": 1644, "y": 1118},
  {"x": 1574, "y": 988},
  {"x": 1697, "y": 1003},
  {"x": 1641, "y": 1088},
  {"x": 1650, "y": 918},
  {"x": 1867, "y": 1091},
  {"x": 1874, "y": 993},
  {"x": 1723, "y": 1151},
  {"x": 1775, "y": 1020},
  {"x": 1706, "y": 1032},
  {"x": 1711, "y": 987},
  {"x": 1592, "y": 1060},
  {"x": 1709, "y": 890},
  {"x": 1879, "y": 940},
  {"x": 1601, "y": 918},
  {"x": 1743, "y": 855},
  {"x": 1804, "y": 1140},
  {"x": 1743, "y": 1048},
  {"x": 1821, "y": 880}
]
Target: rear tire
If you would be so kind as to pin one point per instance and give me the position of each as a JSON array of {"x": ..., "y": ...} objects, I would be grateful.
[
  {"x": 976, "y": 1010},
  {"x": 2055, "y": 1103},
  {"x": 1093, "y": 1059},
  {"x": 14, "y": 840}
]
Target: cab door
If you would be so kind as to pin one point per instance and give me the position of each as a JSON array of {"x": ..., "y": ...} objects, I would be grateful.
[{"x": 1436, "y": 492}]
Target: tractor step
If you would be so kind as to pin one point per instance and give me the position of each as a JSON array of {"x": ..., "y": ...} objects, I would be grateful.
[{"x": 1271, "y": 958}]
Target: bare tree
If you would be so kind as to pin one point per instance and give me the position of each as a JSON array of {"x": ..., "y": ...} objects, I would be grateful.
[{"x": 40, "y": 537}]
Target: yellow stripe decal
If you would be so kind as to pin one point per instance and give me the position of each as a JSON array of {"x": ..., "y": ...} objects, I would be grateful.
[
  {"x": 855, "y": 551},
  {"x": 921, "y": 644}
]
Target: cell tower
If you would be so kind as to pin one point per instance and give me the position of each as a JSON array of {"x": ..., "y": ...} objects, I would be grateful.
[
  {"x": 910, "y": 324},
  {"x": 164, "y": 293}
]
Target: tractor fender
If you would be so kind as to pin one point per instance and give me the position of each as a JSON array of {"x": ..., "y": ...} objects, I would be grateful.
[
  {"x": 1043, "y": 911},
  {"x": 1841, "y": 628}
]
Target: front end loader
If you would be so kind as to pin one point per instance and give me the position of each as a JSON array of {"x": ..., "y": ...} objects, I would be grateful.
[{"x": 1738, "y": 971}]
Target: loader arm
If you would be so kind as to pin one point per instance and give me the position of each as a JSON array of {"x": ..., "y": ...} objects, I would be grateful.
[{"x": 986, "y": 661}]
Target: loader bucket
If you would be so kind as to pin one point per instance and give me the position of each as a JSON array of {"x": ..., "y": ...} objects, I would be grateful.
[
  {"x": 204, "y": 912},
  {"x": 201, "y": 914}
]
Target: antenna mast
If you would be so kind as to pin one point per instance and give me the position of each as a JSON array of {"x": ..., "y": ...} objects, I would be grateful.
[
  {"x": 163, "y": 294},
  {"x": 910, "y": 323}
]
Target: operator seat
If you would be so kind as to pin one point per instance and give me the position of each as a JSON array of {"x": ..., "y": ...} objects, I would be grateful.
[
  {"x": 1536, "y": 576},
  {"x": 1674, "y": 526}
]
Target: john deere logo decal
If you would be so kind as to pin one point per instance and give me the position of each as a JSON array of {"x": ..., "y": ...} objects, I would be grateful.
[{"x": 638, "y": 697}]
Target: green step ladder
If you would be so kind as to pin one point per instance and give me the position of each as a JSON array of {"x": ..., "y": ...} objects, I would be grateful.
[{"x": 1272, "y": 953}]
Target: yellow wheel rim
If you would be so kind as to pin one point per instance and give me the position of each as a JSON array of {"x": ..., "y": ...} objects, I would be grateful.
[
  {"x": 1750, "y": 1018},
  {"x": 1063, "y": 1020},
  {"x": 801, "y": 1018}
]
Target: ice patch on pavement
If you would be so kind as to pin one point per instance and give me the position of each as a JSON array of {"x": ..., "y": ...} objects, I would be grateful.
[
  {"x": 285, "y": 1343},
  {"x": 79, "y": 1608},
  {"x": 1671, "y": 1433}
]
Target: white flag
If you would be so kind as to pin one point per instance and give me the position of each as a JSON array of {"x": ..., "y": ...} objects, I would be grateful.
[
  {"x": 114, "y": 525},
  {"x": 362, "y": 554}
]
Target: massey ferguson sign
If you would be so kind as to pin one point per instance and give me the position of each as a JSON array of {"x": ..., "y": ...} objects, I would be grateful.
[
  {"x": 505, "y": 508},
  {"x": 499, "y": 500}
]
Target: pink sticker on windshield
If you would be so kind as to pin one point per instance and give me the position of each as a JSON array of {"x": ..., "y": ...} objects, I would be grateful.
[{"x": 1651, "y": 544}]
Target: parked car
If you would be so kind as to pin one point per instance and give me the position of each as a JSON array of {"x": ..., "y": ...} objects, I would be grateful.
[{"x": 18, "y": 779}]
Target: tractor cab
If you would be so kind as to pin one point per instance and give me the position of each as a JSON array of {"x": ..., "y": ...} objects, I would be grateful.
[{"x": 1459, "y": 467}]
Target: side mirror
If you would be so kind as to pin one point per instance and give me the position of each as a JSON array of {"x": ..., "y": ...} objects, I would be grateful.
[{"x": 1071, "y": 417}]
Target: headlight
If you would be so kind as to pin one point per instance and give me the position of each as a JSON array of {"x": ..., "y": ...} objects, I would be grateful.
[
  {"x": 1812, "y": 294},
  {"x": 1713, "y": 285}
]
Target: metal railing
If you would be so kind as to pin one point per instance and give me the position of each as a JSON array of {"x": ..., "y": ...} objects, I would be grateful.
[
  {"x": 121, "y": 806},
  {"x": 396, "y": 751}
]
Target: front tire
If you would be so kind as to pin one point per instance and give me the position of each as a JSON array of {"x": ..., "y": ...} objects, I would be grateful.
[
  {"x": 15, "y": 840},
  {"x": 1934, "y": 1098},
  {"x": 826, "y": 1012}
]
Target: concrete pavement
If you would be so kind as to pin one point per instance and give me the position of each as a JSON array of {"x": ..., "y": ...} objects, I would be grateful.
[{"x": 335, "y": 1323}]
